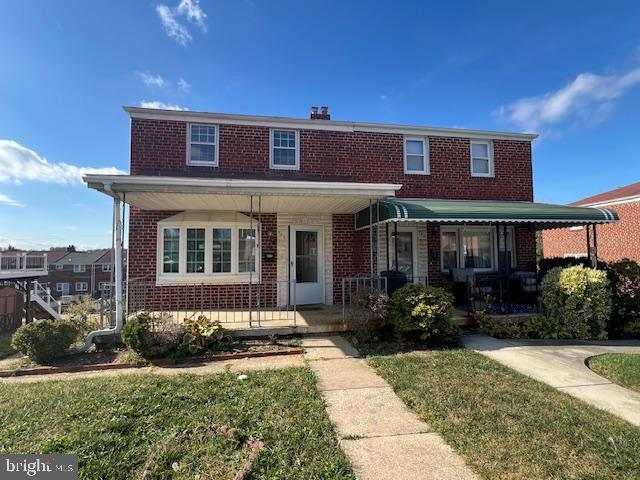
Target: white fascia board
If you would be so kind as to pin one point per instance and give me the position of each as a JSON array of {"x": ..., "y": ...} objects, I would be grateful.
[
  {"x": 125, "y": 183},
  {"x": 617, "y": 201},
  {"x": 330, "y": 125}
]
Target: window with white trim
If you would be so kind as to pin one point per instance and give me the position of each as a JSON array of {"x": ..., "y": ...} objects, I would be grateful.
[
  {"x": 106, "y": 267},
  {"x": 473, "y": 247},
  {"x": 82, "y": 286},
  {"x": 59, "y": 266},
  {"x": 62, "y": 287},
  {"x": 203, "y": 145},
  {"x": 246, "y": 250},
  {"x": 284, "y": 150},
  {"x": 416, "y": 156},
  {"x": 171, "y": 250},
  {"x": 207, "y": 252},
  {"x": 79, "y": 268},
  {"x": 481, "y": 159},
  {"x": 103, "y": 286}
]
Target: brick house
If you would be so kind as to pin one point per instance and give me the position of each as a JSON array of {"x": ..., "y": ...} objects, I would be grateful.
[
  {"x": 612, "y": 242},
  {"x": 225, "y": 206},
  {"x": 80, "y": 274}
]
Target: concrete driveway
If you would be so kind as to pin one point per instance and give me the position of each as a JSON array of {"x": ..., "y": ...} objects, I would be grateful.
[{"x": 561, "y": 364}]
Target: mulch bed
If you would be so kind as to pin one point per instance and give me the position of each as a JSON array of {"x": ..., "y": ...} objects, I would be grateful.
[{"x": 158, "y": 362}]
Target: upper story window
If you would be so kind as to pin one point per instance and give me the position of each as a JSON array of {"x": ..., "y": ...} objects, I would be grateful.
[
  {"x": 416, "y": 156},
  {"x": 285, "y": 151},
  {"x": 79, "y": 268},
  {"x": 106, "y": 267},
  {"x": 481, "y": 159},
  {"x": 203, "y": 145}
]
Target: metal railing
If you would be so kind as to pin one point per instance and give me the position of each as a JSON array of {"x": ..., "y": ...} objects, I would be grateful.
[
  {"x": 22, "y": 262},
  {"x": 255, "y": 305},
  {"x": 353, "y": 287},
  {"x": 44, "y": 292}
]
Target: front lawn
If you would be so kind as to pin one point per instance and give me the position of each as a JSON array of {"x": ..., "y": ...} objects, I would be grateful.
[
  {"x": 620, "y": 368},
  {"x": 507, "y": 425},
  {"x": 5, "y": 345},
  {"x": 115, "y": 424}
]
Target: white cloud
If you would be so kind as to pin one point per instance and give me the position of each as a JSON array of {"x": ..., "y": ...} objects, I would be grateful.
[
  {"x": 160, "y": 105},
  {"x": 7, "y": 200},
  {"x": 19, "y": 163},
  {"x": 174, "y": 28},
  {"x": 153, "y": 80},
  {"x": 588, "y": 98},
  {"x": 183, "y": 85}
]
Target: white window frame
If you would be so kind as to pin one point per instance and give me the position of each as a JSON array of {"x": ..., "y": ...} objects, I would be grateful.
[
  {"x": 106, "y": 267},
  {"x": 216, "y": 145},
  {"x": 425, "y": 149},
  {"x": 489, "y": 145},
  {"x": 59, "y": 266},
  {"x": 459, "y": 229},
  {"x": 60, "y": 287},
  {"x": 102, "y": 286},
  {"x": 82, "y": 286},
  {"x": 79, "y": 268},
  {"x": 297, "y": 149},
  {"x": 414, "y": 248},
  {"x": 208, "y": 276}
]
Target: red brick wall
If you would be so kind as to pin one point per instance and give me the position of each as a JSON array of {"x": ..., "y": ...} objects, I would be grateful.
[
  {"x": 615, "y": 241},
  {"x": 160, "y": 147},
  {"x": 143, "y": 241}
]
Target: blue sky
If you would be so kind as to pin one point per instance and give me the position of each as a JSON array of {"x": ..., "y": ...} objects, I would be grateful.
[{"x": 568, "y": 70}]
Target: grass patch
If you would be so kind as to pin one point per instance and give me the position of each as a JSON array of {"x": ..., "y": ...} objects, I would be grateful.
[
  {"x": 5, "y": 345},
  {"x": 115, "y": 423},
  {"x": 508, "y": 426},
  {"x": 620, "y": 368}
]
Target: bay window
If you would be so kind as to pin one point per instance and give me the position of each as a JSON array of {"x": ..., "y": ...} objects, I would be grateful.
[
  {"x": 473, "y": 247},
  {"x": 206, "y": 252}
]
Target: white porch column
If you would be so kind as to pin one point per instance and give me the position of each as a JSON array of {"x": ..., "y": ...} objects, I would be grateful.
[{"x": 117, "y": 226}]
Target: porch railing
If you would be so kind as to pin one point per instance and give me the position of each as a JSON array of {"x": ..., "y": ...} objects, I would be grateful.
[
  {"x": 22, "y": 262},
  {"x": 353, "y": 287},
  {"x": 255, "y": 305}
]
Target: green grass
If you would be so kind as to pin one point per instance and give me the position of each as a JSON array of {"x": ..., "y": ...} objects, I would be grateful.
[
  {"x": 508, "y": 426},
  {"x": 620, "y": 368},
  {"x": 115, "y": 424},
  {"x": 5, "y": 345}
]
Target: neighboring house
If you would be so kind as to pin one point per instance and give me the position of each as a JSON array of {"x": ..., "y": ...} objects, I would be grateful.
[
  {"x": 81, "y": 273},
  {"x": 613, "y": 242},
  {"x": 300, "y": 205}
]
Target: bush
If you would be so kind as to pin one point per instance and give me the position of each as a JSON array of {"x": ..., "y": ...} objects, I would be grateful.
[
  {"x": 151, "y": 336},
  {"x": 423, "y": 312},
  {"x": 202, "y": 334},
  {"x": 367, "y": 308},
  {"x": 44, "y": 340},
  {"x": 578, "y": 300},
  {"x": 625, "y": 283},
  {"x": 546, "y": 264},
  {"x": 532, "y": 327},
  {"x": 84, "y": 315}
]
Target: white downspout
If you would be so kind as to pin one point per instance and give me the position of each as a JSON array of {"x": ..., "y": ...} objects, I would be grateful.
[{"x": 117, "y": 226}]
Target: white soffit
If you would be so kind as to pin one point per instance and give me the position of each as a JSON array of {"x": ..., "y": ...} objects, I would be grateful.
[{"x": 206, "y": 217}]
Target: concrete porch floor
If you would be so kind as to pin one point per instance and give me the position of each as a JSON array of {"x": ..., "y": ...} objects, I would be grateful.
[{"x": 265, "y": 322}]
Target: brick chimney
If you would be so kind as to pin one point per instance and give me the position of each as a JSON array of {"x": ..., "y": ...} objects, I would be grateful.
[{"x": 322, "y": 115}]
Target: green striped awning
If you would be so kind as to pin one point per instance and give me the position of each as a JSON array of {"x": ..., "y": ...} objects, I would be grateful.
[{"x": 485, "y": 211}]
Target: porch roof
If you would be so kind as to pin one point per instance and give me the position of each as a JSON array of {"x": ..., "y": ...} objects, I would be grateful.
[
  {"x": 545, "y": 215},
  {"x": 231, "y": 194}
]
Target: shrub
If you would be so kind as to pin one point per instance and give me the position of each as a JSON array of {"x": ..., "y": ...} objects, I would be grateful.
[
  {"x": 368, "y": 307},
  {"x": 44, "y": 340},
  {"x": 532, "y": 327},
  {"x": 578, "y": 299},
  {"x": 151, "y": 336},
  {"x": 423, "y": 312},
  {"x": 84, "y": 315},
  {"x": 202, "y": 334},
  {"x": 625, "y": 283}
]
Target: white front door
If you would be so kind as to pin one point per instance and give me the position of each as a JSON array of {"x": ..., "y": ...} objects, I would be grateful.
[{"x": 307, "y": 264}]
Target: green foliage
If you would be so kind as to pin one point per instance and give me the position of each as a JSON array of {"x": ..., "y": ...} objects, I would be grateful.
[
  {"x": 45, "y": 340},
  {"x": 367, "y": 310},
  {"x": 83, "y": 314},
  {"x": 135, "y": 333},
  {"x": 150, "y": 336},
  {"x": 625, "y": 283},
  {"x": 423, "y": 312},
  {"x": 531, "y": 327},
  {"x": 202, "y": 334},
  {"x": 578, "y": 299}
]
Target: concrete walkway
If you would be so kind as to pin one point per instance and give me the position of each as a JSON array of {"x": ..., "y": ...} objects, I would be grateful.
[
  {"x": 381, "y": 436},
  {"x": 561, "y": 364}
]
